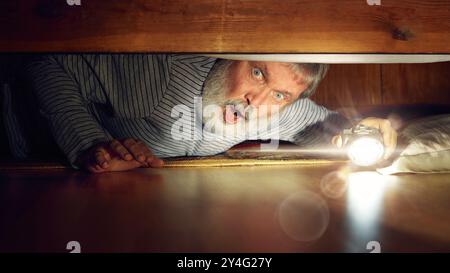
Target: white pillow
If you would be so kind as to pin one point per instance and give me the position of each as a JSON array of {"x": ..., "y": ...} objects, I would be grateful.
[{"x": 427, "y": 147}]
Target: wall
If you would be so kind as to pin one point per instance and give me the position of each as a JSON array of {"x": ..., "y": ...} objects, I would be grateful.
[{"x": 348, "y": 85}]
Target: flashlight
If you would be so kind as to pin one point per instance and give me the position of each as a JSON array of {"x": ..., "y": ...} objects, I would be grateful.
[{"x": 364, "y": 145}]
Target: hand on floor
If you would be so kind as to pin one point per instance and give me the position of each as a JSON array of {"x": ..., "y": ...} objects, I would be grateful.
[{"x": 118, "y": 155}]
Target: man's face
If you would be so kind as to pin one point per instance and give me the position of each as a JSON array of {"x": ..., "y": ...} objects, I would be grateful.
[
  {"x": 264, "y": 84},
  {"x": 237, "y": 86}
]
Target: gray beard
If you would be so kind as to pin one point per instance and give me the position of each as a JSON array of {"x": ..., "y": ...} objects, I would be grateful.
[
  {"x": 217, "y": 84},
  {"x": 213, "y": 100}
]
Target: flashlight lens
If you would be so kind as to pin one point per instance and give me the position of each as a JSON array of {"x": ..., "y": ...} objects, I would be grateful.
[{"x": 365, "y": 151}]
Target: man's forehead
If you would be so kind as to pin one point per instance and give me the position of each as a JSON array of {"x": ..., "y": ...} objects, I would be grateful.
[
  {"x": 284, "y": 76},
  {"x": 283, "y": 70}
]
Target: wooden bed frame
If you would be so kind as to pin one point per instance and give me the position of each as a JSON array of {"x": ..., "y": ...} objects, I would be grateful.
[{"x": 217, "y": 26}]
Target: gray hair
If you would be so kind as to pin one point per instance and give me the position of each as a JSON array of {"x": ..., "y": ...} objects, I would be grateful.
[{"x": 313, "y": 74}]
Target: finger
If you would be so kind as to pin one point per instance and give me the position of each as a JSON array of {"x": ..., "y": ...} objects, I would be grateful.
[
  {"x": 392, "y": 146},
  {"x": 92, "y": 169},
  {"x": 156, "y": 163},
  {"x": 101, "y": 157},
  {"x": 127, "y": 165},
  {"x": 377, "y": 123},
  {"x": 151, "y": 160},
  {"x": 135, "y": 149},
  {"x": 96, "y": 169},
  {"x": 117, "y": 147},
  {"x": 146, "y": 151},
  {"x": 107, "y": 156},
  {"x": 389, "y": 138},
  {"x": 99, "y": 168},
  {"x": 337, "y": 141},
  {"x": 136, "y": 164}
]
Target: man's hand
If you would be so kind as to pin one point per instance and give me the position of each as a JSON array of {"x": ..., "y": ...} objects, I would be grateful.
[
  {"x": 118, "y": 155},
  {"x": 386, "y": 129}
]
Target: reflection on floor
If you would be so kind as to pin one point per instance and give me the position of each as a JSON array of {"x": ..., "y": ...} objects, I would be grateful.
[{"x": 283, "y": 208}]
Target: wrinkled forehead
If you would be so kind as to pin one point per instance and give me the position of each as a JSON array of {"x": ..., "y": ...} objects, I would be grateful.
[
  {"x": 292, "y": 71},
  {"x": 286, "y": 76}
]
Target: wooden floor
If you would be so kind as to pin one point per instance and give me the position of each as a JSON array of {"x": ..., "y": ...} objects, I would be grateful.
[{"x": 292, "y": 208}]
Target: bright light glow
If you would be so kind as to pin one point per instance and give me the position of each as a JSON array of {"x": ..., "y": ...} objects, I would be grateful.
[
  {"x": 365, "y": 194},
  {"x": 365, "y": 151}
]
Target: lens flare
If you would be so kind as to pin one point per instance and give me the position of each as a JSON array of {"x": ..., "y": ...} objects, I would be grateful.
[
  {"x": 365, "y": 151},
  {"x": 334, "y": 184},
  {"x": 304, "y": 216}
]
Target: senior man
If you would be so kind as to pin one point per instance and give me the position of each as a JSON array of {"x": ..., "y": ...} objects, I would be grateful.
[{"x": 116, "y": 112}]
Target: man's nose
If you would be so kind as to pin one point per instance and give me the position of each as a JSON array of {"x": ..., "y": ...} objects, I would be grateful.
[{"x": 257, "y": 97}]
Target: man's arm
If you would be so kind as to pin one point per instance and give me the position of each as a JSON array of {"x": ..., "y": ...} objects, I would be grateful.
[
  {"x": 321, "y": 132},
  {"x": 307, "y": 124},
  {"x": 73, "y": 126}
]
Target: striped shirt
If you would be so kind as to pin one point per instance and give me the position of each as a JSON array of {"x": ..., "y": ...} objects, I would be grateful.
[{"x": 90, "y": 98}]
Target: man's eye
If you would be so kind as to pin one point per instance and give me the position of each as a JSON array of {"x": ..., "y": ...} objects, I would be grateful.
[
  {"x": 279, "y": 96},
  {"x": 257, "y": 73}
]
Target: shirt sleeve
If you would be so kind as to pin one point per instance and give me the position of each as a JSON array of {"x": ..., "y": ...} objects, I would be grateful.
[
  {"x": 310, "y": 125},
  {"x": 73, "y": 125}
]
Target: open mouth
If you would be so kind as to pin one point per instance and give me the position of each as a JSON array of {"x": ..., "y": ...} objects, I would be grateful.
[{"x": 232, "y": 114}]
